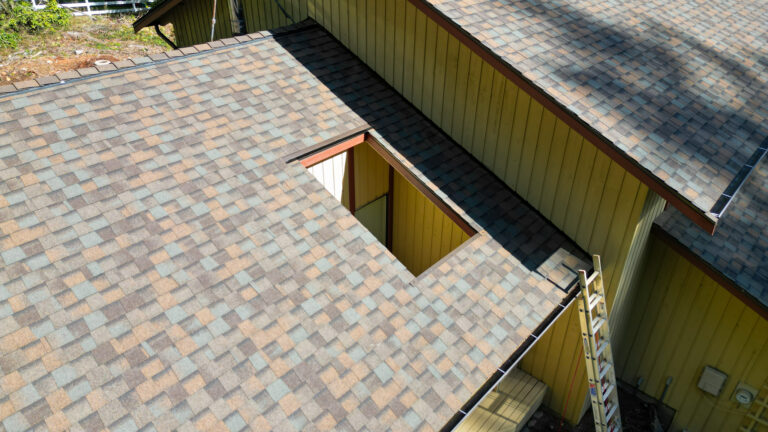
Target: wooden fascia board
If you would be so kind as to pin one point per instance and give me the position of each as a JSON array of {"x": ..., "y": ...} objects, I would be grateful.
[
  {"x": 709, "y": 270},
  {"x": 330, "y": 152},
  {"x": 699, "y": 217}
]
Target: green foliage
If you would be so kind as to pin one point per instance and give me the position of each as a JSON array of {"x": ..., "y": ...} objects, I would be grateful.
[
  {"x": 9, "y": 40},
  {"x": 25, "y": 18}
]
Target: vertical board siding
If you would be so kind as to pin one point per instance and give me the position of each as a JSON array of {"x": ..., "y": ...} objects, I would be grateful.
[
  {"x": 192, "y": 22},
  {"x": 578, "y": 188},
  {"x": 332, "y": 174},
  {"x": 683, "y": 321},
  {"x": 266, "y": 15},
  {"x": 371, "y": 175},
  {"x": 422, "y": 233}
]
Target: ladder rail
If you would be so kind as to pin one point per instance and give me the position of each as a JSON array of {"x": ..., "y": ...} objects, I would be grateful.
[{"x": 595, "y": 335}]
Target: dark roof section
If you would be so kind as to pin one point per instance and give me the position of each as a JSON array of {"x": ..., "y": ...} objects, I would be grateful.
[
  {"x": 155, "y": 15},
  {"x": 677, "y": 87},
  {"x": 738, "y": 251},
  {"x": 163, "y": 264}
]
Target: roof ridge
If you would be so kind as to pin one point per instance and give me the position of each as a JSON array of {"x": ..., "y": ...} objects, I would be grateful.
[{"x": 97, "y": 71}]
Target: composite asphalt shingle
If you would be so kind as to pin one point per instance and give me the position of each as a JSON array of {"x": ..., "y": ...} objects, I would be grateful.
[
  {"x": 164, "y": 267},
  {"x": 679, "y": 87}
]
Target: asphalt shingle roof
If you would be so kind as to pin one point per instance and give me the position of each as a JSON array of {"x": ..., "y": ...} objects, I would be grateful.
[
  {"x": 739, "y": 248},
  {"x": 163, "y": 266},
  {"x": 680, "y": 87}
]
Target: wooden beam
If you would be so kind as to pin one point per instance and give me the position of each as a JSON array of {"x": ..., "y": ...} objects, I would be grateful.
[
  {"x": 351, "y": 177},
  {"x": 390, "y": 207},
  {"x": 698, "y": 216}
]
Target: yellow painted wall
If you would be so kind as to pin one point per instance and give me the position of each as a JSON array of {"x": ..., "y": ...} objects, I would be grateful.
[
  {"x": 682, "y": 321},
  {"x": 422, "y": 234},
  {"x": 578, "y": 188},
  {"x": 371, "y": 175},
  {"x": 266, "y": 15},
  {"x": 192, "y": 22}
]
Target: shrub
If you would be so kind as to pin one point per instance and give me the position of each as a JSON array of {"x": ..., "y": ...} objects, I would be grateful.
[
  {"x": 9, "y": 40},
  {"x": 24, "y": 17}
]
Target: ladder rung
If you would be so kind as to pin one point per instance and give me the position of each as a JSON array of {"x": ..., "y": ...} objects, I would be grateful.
[
  {"x": 597, "y": 323},
  {"x": 600, "y": 348},
  {"x": 591, "y": 278},
  {"x": 604, "y": 368},
  {"x": 594, "y": 299},
  {"x": 611, "y": 412},
  {"x": 608, "y": 392}
]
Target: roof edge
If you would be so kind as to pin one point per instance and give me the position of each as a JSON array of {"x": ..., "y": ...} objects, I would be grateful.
[
  {"x": 726, "y": 282},
  {"x": 701, "y": 217},
  {"x": 98, "y": 71},
  {"x": 514, "y": 359},
  {"x": 154, "y": 14}
]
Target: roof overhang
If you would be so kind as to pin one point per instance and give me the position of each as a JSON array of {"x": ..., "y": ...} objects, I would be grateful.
[
  {"x": 709, "y": 270},
  {"x": 704, "y": 219},
  {"x": 156, "y": 15}
]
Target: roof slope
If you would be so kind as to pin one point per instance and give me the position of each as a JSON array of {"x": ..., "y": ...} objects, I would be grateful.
[
  {"x": 739, "y": 248},
  {"x": 162, "y": 264},
  {"x": 680, "y": 87}
]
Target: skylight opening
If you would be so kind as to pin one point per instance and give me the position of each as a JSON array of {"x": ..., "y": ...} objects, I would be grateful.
[{"x": 389, "y": 200}]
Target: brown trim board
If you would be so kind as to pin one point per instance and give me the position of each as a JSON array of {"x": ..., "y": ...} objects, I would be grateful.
[
  {"x": 625, "y": 161},
  {"x": 412, "y": 179},
  {"x": 710, "y": 271},
  {"x": 332, "y": 151},
  {"x": 390, "y": 207},
  {"x": 351, "y": 176}
]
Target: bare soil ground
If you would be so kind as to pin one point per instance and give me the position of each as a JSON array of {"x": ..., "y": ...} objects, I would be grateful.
[{"x": 105, "y": 37}]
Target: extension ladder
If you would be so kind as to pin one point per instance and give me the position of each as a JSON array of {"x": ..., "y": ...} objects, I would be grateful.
[{"x": 593, "y": 315}]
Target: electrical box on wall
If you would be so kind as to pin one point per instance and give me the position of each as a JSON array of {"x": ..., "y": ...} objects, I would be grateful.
[
  {"x": 712, "y": 380},
  {"x": 744, "y": 394}
]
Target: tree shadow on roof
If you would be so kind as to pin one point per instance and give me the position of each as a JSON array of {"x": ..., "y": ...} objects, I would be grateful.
[
  {"x": 457, "y": 176},
  {"x": 696, "y": 110}
]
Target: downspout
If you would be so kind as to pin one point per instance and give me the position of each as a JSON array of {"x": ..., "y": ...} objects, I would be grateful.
[{"x": 164, "y": 37}]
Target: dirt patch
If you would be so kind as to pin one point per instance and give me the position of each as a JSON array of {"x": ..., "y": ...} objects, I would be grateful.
[
  {"x": 86, "y": 41},
  {"x": 25, "y": 69}
]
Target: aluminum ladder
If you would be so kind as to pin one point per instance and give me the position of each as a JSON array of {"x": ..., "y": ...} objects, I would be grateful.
[{"x": 593, "y": 315}]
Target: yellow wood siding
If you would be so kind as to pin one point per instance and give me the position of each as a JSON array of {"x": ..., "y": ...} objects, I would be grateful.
[
  {"x": 266, "y": 15},
  {"x": 371, "y": 175},
  {"x": 582, "y": 191},
  {"x": 682, "y": 321},
  {"x": 192, "y": 22},
  {"x": 422, "y": 234}
]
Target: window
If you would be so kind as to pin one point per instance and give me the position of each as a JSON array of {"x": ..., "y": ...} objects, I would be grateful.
[{"x": 416, "y": 226}]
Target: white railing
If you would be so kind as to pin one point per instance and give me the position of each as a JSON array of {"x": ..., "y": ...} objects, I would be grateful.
[{"x": 101, "y": 7}]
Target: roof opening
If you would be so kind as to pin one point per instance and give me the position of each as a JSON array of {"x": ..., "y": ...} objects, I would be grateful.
[{"x": 400, "y": 211}]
